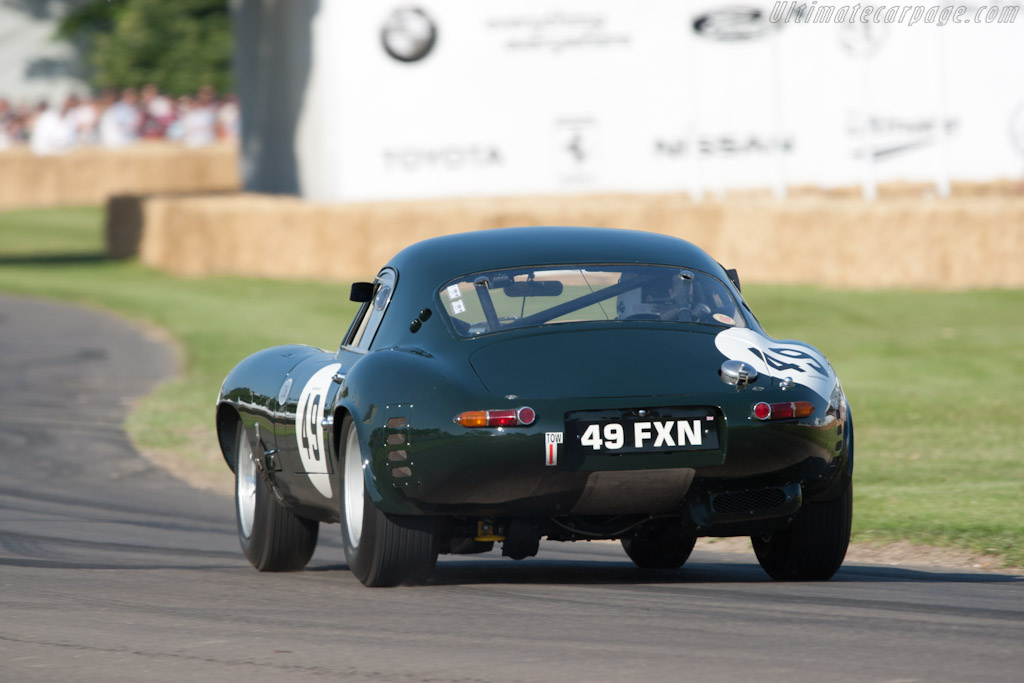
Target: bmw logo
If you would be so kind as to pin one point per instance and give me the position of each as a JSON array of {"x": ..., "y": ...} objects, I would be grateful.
[{"x": 408, "y": 34}]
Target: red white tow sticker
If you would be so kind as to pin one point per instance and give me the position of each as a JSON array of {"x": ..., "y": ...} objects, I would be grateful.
[{"x": 551, "y": 443}]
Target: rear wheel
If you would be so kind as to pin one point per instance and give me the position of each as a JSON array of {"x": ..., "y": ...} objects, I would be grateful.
[
  {"x": 812, "y": 548},
  {"x": 381, "y": 550},
  {"x": 273, "y": 538},
  {"x": 659, "y": 548}
]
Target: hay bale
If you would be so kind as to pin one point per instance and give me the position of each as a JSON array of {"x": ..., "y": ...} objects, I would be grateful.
[
  {"x": 973, "y": 241},
  {"x": 90, "y": 175}
]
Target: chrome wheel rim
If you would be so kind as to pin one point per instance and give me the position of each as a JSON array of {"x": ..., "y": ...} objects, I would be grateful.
[
  {"x": 353, "y": 488},
  {"x": 245, "y": 483}
]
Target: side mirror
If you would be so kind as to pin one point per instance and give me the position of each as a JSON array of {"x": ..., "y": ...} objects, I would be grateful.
[
  {"x": 734, "y": 276},
  {"x": 361, "y": 292}
]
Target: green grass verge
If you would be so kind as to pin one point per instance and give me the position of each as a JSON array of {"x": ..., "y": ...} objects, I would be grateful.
[
  {"x": 70, "y": 233},
  {"x": 933, "y": 377},
  {"x": 216, "y": 321}
]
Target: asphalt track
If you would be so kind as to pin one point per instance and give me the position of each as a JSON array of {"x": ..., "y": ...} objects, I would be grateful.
[{"x": 112, "y": 570}]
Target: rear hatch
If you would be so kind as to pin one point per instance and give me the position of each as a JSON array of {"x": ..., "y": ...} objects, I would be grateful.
[{"x": 599, "y": 363}]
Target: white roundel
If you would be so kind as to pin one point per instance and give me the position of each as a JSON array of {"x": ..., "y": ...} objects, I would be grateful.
[
  {"x": 776, "y": 358},
  {"x": 309, "y": 429}
]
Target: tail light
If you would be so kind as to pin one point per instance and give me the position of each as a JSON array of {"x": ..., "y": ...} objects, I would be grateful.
[
  {"x": 515, "y": 417},
  {"x": 782, "y": 411}
]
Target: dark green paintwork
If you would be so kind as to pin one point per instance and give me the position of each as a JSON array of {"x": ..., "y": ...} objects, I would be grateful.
[{"x": 426, "y": 378}]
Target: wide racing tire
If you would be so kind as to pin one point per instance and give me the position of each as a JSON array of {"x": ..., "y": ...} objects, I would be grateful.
[
  {"x": 382, "y": 550},
  {"x": 663, "y": 549},
  {"x": 813, "y": 546},
  {"x": 273, "y": 538}
]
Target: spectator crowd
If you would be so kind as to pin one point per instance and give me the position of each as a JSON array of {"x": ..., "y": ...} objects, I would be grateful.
[{"x": 115, "y": 119}]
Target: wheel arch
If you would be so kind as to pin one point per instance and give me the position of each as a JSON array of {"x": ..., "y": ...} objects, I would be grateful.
[
  {"x": 848, "y": 438},
  {"x": 381, "y": 496},
  {"x": 227, "y": 422},
  {"x": 341, "y": 411}
]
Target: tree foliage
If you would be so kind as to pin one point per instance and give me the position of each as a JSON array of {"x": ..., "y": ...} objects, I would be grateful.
[{"x": 179, "y": 46}]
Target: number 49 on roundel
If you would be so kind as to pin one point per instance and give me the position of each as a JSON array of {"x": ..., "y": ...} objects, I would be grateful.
[{"x": 502, "y": 387}]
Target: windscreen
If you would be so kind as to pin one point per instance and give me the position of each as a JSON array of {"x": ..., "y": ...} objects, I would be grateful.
[{"x": 512, "y": 298}]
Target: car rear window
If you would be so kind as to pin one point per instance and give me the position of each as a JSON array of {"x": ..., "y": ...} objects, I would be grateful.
[{"x": 498, "y": 300}]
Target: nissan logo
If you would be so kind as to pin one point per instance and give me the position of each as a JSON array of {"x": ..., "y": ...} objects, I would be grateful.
[{"x": 408, "y": 34}]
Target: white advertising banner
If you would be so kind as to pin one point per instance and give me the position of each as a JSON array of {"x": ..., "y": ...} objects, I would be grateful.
[{"x": 468, "y": 97}]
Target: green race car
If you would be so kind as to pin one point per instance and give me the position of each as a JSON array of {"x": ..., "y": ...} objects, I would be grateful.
[{"x": 504, "y": 386}]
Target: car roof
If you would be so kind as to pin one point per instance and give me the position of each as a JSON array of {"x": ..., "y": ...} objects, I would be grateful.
[{"x": 438, "y": 260}]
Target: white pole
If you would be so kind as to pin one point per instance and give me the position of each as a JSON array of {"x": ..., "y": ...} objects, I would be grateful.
[
  {"x": 869, "y": 189},
  {"x": 942, "y": 182},
  {"x": 693, "y": 125},
  {"x": 779, "y": 186}
]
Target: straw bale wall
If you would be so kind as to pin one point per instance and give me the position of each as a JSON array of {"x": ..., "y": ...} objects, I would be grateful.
[
  {"x": 975, "y": 240},
  {"x": 89, "y": 175}
]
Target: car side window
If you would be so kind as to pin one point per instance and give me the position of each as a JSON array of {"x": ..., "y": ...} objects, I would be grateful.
[{"x": 373, "y": 311}]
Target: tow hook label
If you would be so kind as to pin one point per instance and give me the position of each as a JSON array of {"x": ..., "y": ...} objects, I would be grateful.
[{"x": 552, "y": 442}]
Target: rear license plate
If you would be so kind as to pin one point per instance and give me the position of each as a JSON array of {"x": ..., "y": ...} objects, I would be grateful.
[{"x": 658, "y": 432}]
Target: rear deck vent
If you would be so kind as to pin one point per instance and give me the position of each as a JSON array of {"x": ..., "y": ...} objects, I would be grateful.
[{"x": 748, "y": 501}]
